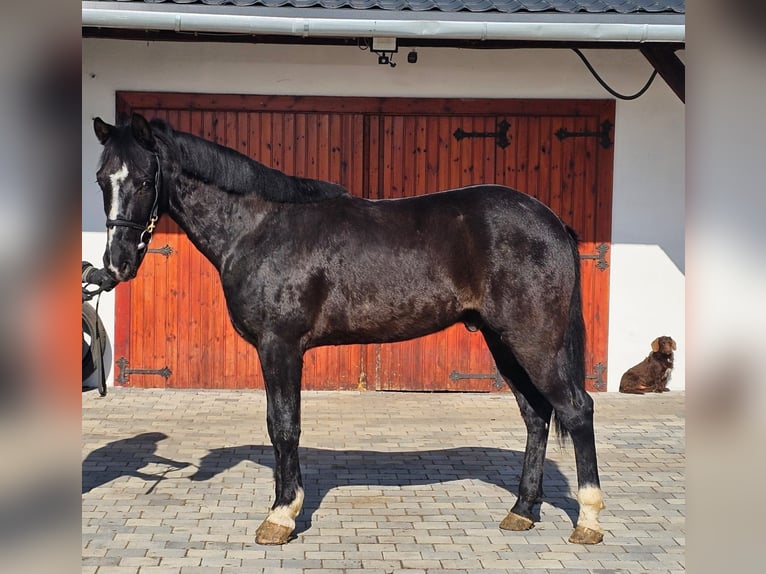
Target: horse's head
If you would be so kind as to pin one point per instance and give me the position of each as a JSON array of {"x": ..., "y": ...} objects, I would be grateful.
[{"x": 129, "y": 177}]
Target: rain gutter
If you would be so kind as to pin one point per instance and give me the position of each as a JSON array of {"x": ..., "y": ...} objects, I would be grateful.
[{"x": 360, "y": 23}]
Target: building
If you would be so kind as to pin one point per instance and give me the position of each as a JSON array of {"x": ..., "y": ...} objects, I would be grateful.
[{"x": 482, "y": 85}]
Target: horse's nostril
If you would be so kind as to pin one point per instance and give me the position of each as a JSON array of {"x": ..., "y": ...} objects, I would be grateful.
[{"x": 124, "y": 268}]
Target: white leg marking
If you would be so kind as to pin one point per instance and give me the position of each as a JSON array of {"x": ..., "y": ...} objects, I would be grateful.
[
  {"x": 591, "y": 504},
  {"x": 116, "y": 178},
  {"x": 285, "y": 515}
]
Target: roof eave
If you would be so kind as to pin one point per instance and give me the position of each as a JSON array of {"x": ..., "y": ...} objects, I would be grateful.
[{"x": 323, "y": 23}]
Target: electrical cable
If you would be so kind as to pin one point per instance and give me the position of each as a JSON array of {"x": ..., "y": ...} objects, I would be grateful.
[{"x": 604, "y": 85}]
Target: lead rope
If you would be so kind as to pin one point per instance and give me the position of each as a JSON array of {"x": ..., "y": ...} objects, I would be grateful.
[
  {"x": 99, "y": 354},
  {"x": 96, "y": 352}
]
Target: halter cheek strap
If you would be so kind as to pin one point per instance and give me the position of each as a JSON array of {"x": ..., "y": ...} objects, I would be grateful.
[
  {"x": 146, "y": 234},
  {"x": 148, "y": 229}
]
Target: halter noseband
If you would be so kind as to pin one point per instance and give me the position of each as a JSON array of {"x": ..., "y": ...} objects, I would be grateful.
[{"x": 148, "y": 229}]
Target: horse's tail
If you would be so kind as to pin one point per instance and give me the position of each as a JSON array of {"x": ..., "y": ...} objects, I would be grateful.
[{"x": 572, "y": 367}]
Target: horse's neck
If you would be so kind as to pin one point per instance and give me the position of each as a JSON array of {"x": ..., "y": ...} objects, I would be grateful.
[
  {"x": 212, "y": 218},
  {"x": 216, "y": 195}
]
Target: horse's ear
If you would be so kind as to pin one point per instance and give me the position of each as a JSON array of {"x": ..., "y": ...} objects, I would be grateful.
[
  {"x": 142, "y": 131},
  {"x": 674, "y": 344},
  {"x": 656, "y": 345},
  {"x": 103, "y": 130}
]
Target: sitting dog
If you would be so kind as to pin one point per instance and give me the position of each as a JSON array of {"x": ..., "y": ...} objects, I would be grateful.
[{"x": 651, "y": 375}]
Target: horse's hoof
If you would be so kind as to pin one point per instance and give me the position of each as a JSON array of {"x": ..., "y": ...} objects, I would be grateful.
[
  {"x": 271, "y": 534},
  {"x": 516, "y": 522},
  {"x": 585, "y": 535}
]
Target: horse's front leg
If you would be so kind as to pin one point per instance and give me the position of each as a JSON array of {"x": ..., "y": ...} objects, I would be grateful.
[{"x": 282, "y": 364}]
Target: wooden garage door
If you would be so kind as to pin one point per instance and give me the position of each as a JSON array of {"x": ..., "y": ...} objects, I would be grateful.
[{"x": 172, "y": 327}]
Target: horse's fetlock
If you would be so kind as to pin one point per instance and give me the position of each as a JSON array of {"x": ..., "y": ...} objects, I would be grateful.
[{"x": 591, "y": 503}]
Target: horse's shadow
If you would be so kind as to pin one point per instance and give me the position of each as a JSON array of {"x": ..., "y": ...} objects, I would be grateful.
[
  {"x": 125, "y": 457},
  {"x": 326, "y": 469}
]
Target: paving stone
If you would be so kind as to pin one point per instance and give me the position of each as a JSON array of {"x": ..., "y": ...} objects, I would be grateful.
[{"x": 394, "y": 482}]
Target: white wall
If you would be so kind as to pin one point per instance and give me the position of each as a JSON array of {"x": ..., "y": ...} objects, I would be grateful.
[{"x": 647, "y": 273}]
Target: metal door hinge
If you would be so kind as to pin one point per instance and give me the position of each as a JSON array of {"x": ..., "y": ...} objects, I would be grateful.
[
  {"x": 602, "y": 134},
  {"x": 598, "y": 376},
  {"x": 125, "y": 372},
  {"x": 165, "y": 250},
  {"x": 495, "y": 376},
  {"x": 500, "y": 135},
  {"x": 599, "y": 256}
]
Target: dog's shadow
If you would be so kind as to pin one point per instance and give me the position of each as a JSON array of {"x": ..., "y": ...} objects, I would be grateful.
[{"x": 326, "y": 469}]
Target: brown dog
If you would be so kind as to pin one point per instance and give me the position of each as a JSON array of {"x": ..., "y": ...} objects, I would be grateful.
[{"x": 651, "y": 375}]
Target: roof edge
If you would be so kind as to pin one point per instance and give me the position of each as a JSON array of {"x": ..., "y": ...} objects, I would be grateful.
[{"x": 307, "y": 23}]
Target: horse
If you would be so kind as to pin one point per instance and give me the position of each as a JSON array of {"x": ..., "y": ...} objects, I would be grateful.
[{"x": 303, "y": 264}]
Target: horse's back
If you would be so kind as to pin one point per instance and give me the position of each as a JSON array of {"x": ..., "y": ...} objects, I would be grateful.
[
  {"x": 494, "y": 226},
  {"x": 493, "y": 205}
]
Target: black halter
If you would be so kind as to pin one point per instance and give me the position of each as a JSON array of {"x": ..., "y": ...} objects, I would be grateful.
[{"x": 147, "y": 229}]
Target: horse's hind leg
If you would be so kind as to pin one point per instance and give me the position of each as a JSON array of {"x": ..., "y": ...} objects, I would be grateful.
[
  {"x": 573, "y": 408},
  {"x": 574, "y": 413},
  {"x": 536, "y": 412},
  {"x": 282, "y": 365},
  {"x": 542, "y": 384}
]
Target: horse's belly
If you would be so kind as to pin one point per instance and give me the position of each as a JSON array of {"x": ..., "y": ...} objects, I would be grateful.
[{"x": 384, "y": 319}]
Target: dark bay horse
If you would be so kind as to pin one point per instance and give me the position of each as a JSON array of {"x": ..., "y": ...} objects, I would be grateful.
[{"x": 305, "y": 264}]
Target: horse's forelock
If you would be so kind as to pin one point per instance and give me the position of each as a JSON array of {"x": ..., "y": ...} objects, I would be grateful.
[{"x": 122, "y": 147}]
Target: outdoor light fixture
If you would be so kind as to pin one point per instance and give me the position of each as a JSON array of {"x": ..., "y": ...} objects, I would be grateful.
[
  {"x": 385, "y": 48},
  {"x": 384, "y": 58}
]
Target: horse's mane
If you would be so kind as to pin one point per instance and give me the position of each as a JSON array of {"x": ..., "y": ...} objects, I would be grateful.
[{"x": 238, "y": 174}]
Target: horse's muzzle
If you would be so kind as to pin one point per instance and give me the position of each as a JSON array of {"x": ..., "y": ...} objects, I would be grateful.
[
  {"x": 121, "y": 268},
  {"x": 100, "y": 277}
]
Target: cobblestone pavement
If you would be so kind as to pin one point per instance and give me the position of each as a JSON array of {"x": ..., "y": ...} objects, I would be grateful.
[{"x": 176, "y": 482}]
